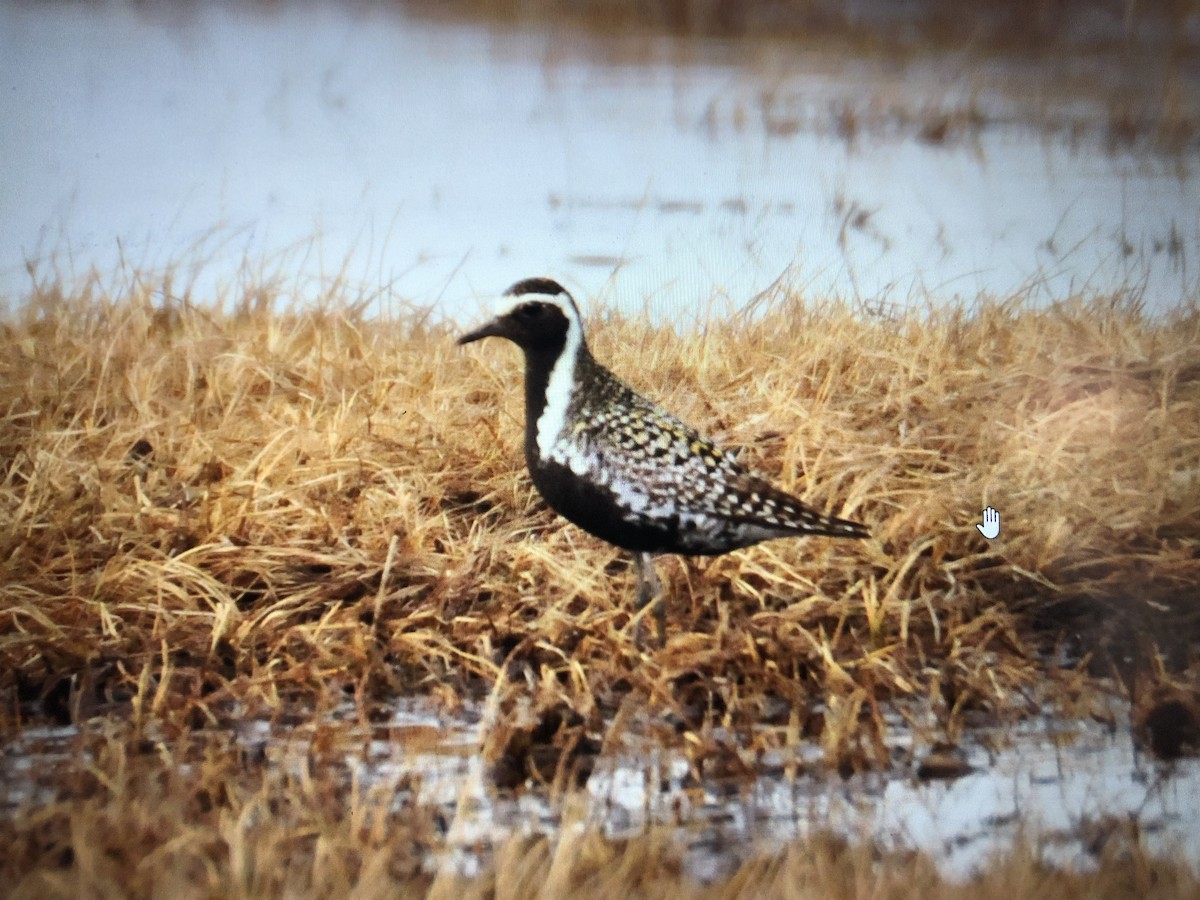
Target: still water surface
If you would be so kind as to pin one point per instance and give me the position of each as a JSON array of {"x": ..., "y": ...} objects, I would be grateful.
[{"x": 441, "y": 161}]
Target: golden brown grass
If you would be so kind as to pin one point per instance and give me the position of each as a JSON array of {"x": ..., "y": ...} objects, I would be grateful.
[
  {"x": 204, "y": 506},
  {"x": 210, "y": 514}
]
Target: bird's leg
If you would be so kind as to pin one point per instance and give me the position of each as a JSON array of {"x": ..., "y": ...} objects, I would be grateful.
[{"x": 649, "y": 590}]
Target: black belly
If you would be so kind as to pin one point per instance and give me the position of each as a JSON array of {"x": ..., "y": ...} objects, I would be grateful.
[{"x": 595, "y": 509}]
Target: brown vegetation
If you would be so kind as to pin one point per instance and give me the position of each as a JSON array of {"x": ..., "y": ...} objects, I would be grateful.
[{"x": 210, "y": 515}]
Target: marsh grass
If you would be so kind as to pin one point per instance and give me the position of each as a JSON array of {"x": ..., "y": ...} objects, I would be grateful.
[{"x": 216, "y": 513}]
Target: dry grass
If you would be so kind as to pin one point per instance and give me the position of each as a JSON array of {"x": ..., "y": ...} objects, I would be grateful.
[
  {"x": 210, "y": 515},
  {"x": 203, "y": 506}
]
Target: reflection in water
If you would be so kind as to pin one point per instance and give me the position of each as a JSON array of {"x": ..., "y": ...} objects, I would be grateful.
[
  {"x": 441, "y": 161},
  {"x": 1059, "y": 785}
]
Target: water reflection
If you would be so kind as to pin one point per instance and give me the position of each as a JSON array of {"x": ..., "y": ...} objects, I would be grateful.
[
  {"x": 441, "y": 161},
  {"x": 1065, "y": 787}
]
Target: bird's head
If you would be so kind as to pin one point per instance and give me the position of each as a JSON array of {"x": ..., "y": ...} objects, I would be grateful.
[{"x": 539, "y": 316}]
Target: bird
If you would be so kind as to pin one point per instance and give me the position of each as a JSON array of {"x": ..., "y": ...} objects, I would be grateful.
[{"x": 622, "y": 468}]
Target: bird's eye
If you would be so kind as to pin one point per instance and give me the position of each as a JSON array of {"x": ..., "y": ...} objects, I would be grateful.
[{"x": 532, "y": 310}]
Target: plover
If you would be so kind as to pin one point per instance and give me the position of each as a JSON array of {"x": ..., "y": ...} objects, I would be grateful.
[{"x": 623, "y": 469}]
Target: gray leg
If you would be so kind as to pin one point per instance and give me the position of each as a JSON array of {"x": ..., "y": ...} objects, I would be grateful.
[{"x": 649, "y": 590}]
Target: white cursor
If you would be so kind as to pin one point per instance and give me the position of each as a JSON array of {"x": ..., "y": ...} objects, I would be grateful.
[{"x": 991, "y": 523}]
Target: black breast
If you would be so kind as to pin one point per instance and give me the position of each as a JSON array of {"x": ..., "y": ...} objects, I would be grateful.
[{"x": 596, "y": 510}]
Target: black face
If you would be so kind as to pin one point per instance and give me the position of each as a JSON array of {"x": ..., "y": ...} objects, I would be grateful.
[{"x": 532, "y": 325}]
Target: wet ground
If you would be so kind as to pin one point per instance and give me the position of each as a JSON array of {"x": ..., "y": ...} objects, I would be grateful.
[{"x": 1069, "y": 789}]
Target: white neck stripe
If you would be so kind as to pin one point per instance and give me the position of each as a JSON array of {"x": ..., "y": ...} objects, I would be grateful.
[{"x": 561, "y": 383}]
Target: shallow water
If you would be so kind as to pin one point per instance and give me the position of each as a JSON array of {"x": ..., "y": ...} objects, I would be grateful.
[
  {"x": 1064, "y": 788},
  {"x": 442, "y": 161}
]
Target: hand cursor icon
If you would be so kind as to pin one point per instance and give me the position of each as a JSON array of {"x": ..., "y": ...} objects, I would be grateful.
[{"x": 991, "y": 523}]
